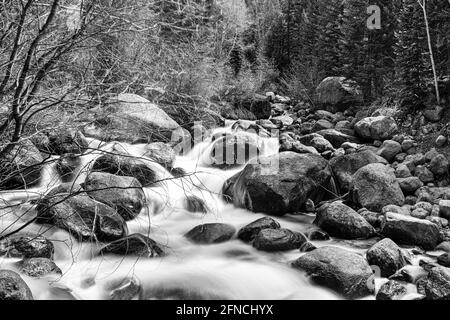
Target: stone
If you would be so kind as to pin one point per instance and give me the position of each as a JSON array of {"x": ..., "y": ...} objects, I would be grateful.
[
  {"x": 387, "y": 256},
  {"x": 437, "y": 285},
  {"x": 273, "y": 240},
  {"x": 336, "y": 93},
  {"x": 444, "y": 260},
  {"x": 392, "y": 290},
  {"x": 38, "y": 267},
  {"x": 250, "y": 231},
  {"x": 161, "y": 153},
  {"x": 211, "y": 233},
  {"x": 346, "y": 272},
  {"x": 12, "y": 287},
  {"x": 410, "y": 185},
  {"x": 195, "y": 204},
  {"x": 402, "y": 171},
  {"x": 337, "y": 138},
  {"x": 424, "y": 174},
  {"x": 317, "y": 234},
  {"x": 376, "y": 128},
  {"x": 64, "y": 141},
  {"x": 27, "y": 245},
  {"x": 441, "y": 141},
  {"x": 439, "y": 165},
  {"x": 419, "y": 213},
  {"x": 389, "y": 150},
  {"x": 407, "y": 144},
  {"x": 134, "y": 245},
  {"x": 444, "y": 208},
  {"x": 374, "y": 218}
]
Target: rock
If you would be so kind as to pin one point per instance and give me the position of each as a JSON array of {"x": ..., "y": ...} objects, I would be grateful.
[
  {"x": 250, "y": 231},
  {"x": 66, "y": 166},
  {"x": 424, "y": 174},
  {"x": 410, "y": 185},
  {"x": 281, "y": 183},
  {"x": 407, "y": 144},
  {"x": 344, "y": 167},
  {"x": 65, "y": 141},
  {"x": 375, "y": 186},
  {"x": 317, "y": 234},
  {"x": 373, "y": 218},
  {"x": 344, "y": 271},
  {"x": 259, "y": 105},
  {"x": 434, "y": 114},
  {"x": 307, "y": 247},
  {"x": 444, "y": 208},
  {"x": 419, "y": 213},
  {"x": 211, "y": 233},
  {"x": 439, "y": 165},
  {"x": 392, "y": 290},
  {"x": 376, "y": 128},
  {"x": 433, "y": 194},
  {"x": 26, "y": 245},
  {"x": 195, "y": 204},
  {"x": 337, "y": 138},
  {"x": 272, "y": 240},
  {"x": 124, "y": 194},
  {"x": 80, "y": 215},
  {"x": 38, "y": 267},
  {"x": 409, "y": 274},
  {"x": 437, "y": 284},
  {"x": 160, "y": 152},
  {"x": 325, "y": 115},
  {"x": 231, "y": 112},
  {"x": 21, "y": 167},
  {"x": 12, "y": 287},
  {"x": 342, "y": 221},
  {"x": 134, "y": 245},
  {"x": 285, "y": 120},
  {"x": 444, "y": 260},
  {"x": 402, "y": 171},
  {"x": 387, "y": 256},
  {"x": 128, "y": 289},
  {"x": 389, "y": 150},
  {"x": 337, "y": 93},
  {"x": 396, "y": 209},
  {"x": 122, "y": 164},
  {"x": 441, "y": 141},
  {"x": 431, "y": 154},
  {"x": 444, "y": 246},
  {"x": 322, "y": 125},
  {"x": 234, "y": 150},
  {"x": 411, "y": 231}
]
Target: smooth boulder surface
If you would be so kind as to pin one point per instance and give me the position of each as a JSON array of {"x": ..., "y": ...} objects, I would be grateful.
[
  {"x": 345, "y": 166},
  {"x": 273, "y": 240},
  {"x": 25, "y": 245},
  {"x": 211, "y": 233},
  {"x": 341, "y": 221},
  {"x": 344, "y": 271},
  {"x": 411, "y": 231},
  {"x": 123, "y": 194},
  {"x": 134, "y": 245},
  {"x": 250, "y": 231},
  {"x": 281, "y": 183},
  {"x": 387, "y": 256},
  {"x": 80, "y": 215},
  {"x": 12, "y": 287},
  {"x": 375, "y": 186},
  {"x": 376, "y": 128}
]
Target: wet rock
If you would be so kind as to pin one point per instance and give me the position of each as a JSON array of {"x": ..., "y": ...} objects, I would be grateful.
[
  {"x": 307, "y": 247},
  {"x": 376, "y": 128},
  {"x": 444, "y": 260},
  {"x": 373, "y": 218},
  {"x": 273, "y": 240},
  {"x": 281, "y": 183},
  {"x": 411, "y": 231},
  {"x": 392, "y": 290},
  {"x": 375, "y": 186},
  {"x": 317, "y": 234},
  {"x": 439, "y": 165},
  {"x": 80, "y": 215},
  {"x": 195, "y": 204},
  {"x": 344, "y": 167},
  {"x": 444, "y": 246},
  {"x": 134, "y": 245},
  {"x": 12, "y": 287},
  {"x": 124, "y": 194},
  {"x": 21, "y": 167},
  {"x": 344, "y": 271},
  {"x": 250, "y": 231},
  {"x": 409, "y": 274},
  {"x": 441, "y": 141},
  {"x": 38, "y": 267},
  {"x": 160, "y": 152},
  {"x": 389, "y": 150},
  {"x": 342, "y": 221},
  {"x": 437, "y": 285},
  {"x": 410, "y": 185},
  {"x": 128, "y": 289},
  {"x": 211, "y": 233},
  {"x": 388, "y": 256},
  {"x": 27, "y": 245},
  {"x": 234, "y": 150}
]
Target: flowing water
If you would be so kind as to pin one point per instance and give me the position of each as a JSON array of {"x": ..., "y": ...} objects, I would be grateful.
[{"x": 231, "y": 270}]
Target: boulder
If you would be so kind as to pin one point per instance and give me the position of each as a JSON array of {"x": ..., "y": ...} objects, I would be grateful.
[
  {"x": 21, "y": 167},
  {"x": 281, "y": 183},
  {"x": 195, "y": 204},
  {"x": 38, "y": 267},
  {"x": 444, "y": 209},
  {"x": 272, "y": 240},
  {"x": 160, "y": 152},
  {"x": 433, "y": 194},
  {"x": 439, "y": 165},
  {"x": 376, "y": 128},
  {"x": 12, "y": 287},
  {"x": 250, "y": 231},
  {"x": 80, "y": 215},
  {"x": 344, "y": 271},
  {"x": 444, "y": 260},
  {"x": 392, "y": 290},
  {"x": 389, "y": 150},
  {"x": 337, "y": 93},
  {"x": 337, "y": 138},
  {"x": 424, "y": 174},
  {"x": 410, "y": 185},
  {"x": 134, "y": 245},
  {"x": 375, "y": 186},
  {"x": 341, "y": 221},
  {"x": 345, "y": 166},
  {"x": 387, "y": 256},
  {"x": 411, "y": 231},
  {"x": 375, "y": 219},
  {"x": 437, "y": 284},
  {"x": 211, "y": 233},
  {"x": 27, "y": 245},
  {"x": 124, "y": 194}
]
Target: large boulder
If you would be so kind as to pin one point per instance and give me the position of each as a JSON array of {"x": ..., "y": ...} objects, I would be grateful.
[
  {"x": 21, "y": 167},
  {"x": 376, "y": 128},
  {"x": 124, "y": 194},
  {"x": 337, "y": 93},
  {"x": 27, "y": 245},
  {"x": 345, "y": 166},
  {"x": 437, "y": 284},
  {"x": 211, "y": 233},
  {"x": 343, "y": 222},
  {"x": 234, "y": 149},
  {"x": 82, "y": 216},
  {"x": 250, "y": 231},
  {"x": 160, "y": 152},
  {"x": 387, "y": 256},
  {"x": 281, "y": 183},
  {"x": 375, "y": 186},
  {"x": 411, "y": 231},
  {"x": 272, "y": 240},
  {"x": 131, "y": 118},
  {"x": 344, "y": 271},
  {"x": 134, "y": 245},
  {"x": 12, "y": 287}
]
